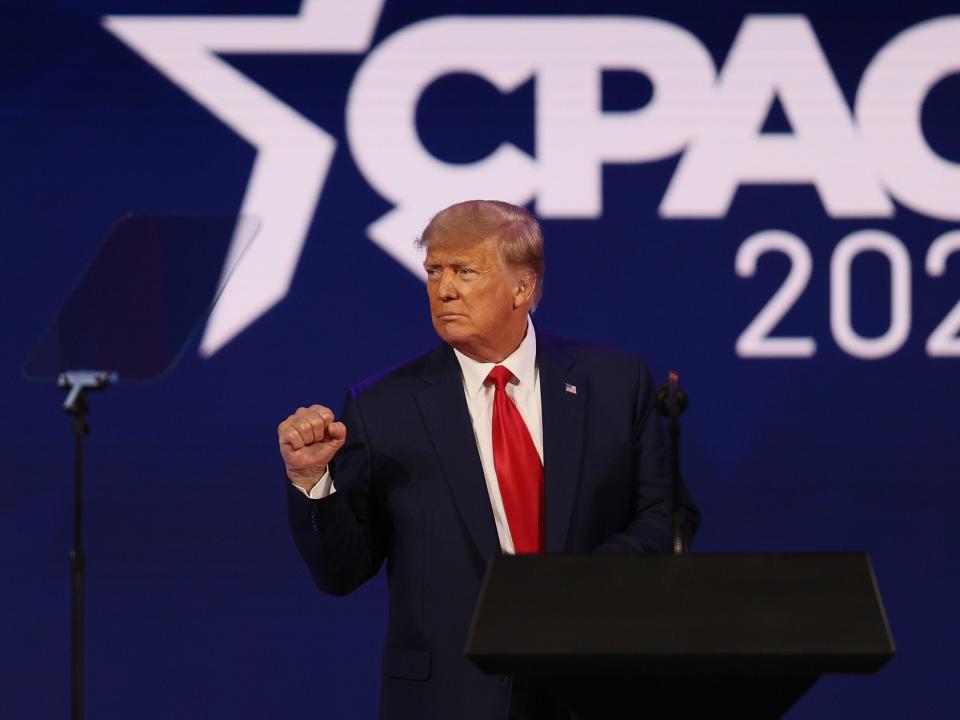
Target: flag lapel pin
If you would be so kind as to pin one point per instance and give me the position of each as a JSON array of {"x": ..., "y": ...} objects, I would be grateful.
[{"x": 572, "y": 389}]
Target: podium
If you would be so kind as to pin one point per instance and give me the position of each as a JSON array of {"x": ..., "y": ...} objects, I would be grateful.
[{"x": 687, "y": 636}]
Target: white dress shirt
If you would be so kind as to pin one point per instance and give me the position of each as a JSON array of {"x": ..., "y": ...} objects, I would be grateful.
[{"x": 524, "y": 389}]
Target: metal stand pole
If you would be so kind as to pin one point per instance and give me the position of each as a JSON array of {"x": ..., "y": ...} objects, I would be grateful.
[
  {"x": 77, "y": 384},
  {"x": 676, "y": 483},
  {"x": 77, "y": 559},
  {"x": 671, "y": 401}
]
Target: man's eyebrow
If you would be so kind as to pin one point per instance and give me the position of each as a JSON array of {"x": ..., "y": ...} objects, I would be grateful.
[{"x": 453, "y": 261}]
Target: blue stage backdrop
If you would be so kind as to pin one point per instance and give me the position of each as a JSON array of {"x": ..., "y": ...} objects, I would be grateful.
[{"x": 764, "y": 196}]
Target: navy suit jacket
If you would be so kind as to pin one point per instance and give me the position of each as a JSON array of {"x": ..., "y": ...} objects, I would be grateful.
[{"x": 411, "y": 491}]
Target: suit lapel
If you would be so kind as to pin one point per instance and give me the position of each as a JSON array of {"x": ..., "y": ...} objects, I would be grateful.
[
  {"x": 447, "y": 418},
  {"x": 563, "y": 400}
]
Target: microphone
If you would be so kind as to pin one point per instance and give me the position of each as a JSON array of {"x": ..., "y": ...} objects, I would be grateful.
[{"x": 671, "y": 401}]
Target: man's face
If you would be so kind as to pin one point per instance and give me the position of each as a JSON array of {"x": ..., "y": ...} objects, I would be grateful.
[{"x": 472, "y": 300}]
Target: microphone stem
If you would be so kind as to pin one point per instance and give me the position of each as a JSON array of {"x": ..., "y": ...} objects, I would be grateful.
[{"x": 679, "y": 545}]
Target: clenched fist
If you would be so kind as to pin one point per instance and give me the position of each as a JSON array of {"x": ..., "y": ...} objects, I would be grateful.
[{"x": 308, "y": 441}]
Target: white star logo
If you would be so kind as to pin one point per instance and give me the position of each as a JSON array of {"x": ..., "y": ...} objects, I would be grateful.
[{"x": 293, "y": 155}]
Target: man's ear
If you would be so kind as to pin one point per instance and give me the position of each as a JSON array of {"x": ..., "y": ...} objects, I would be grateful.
[{"x": 524, "y": 287}]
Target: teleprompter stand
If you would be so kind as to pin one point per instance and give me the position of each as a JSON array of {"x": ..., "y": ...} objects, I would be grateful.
[
  {"x": 77, "y": 384},
  {"x": 149, "y": 288},
  {"x": 684, "y": 636}
]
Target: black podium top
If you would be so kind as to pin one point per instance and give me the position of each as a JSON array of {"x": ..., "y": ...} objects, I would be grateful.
[{"x": 778, "y": 614}]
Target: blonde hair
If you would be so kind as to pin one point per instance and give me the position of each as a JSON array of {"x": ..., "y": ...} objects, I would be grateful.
[{"x": 517, "y": 230}]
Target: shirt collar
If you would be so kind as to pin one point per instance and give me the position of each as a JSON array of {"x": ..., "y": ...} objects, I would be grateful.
[{"x": 522, "y": 362}]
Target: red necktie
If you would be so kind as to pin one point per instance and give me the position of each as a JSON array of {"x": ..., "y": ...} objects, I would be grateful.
[{"x": 519, "y": 470}]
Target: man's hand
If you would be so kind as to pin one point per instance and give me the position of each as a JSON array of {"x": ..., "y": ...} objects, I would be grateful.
[{"x": 308, "y": 441}]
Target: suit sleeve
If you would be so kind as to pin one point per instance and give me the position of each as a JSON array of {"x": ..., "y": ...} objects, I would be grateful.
[
  {"x": 651, "y": 527},
  {"x": 342, "y": 537}
]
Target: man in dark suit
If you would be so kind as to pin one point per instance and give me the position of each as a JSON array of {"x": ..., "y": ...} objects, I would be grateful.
[{"x": 502, "y": 439}]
